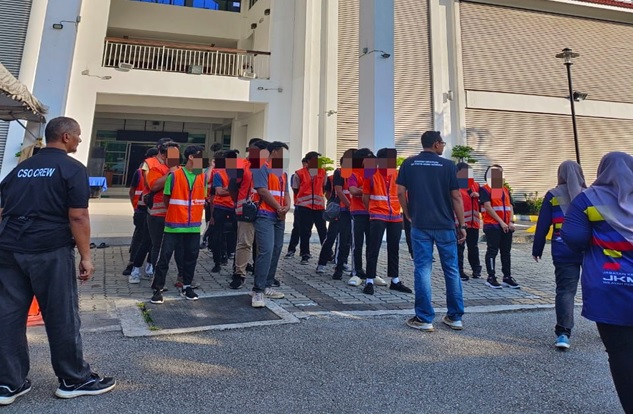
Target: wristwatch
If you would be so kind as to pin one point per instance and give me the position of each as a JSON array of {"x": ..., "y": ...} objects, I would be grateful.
[{"x": 463, "y": 227}]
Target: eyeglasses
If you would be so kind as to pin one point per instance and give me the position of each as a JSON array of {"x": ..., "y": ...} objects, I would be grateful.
[{"x": 441, "y": 142}]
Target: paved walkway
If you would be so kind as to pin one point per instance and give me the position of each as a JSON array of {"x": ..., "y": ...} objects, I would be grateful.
[{"x": 307, "y": 291}]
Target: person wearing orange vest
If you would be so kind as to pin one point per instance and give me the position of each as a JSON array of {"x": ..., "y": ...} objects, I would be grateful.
[
  {"x": 472, "y": 220},
  {"x": 360, "y": 216},
  {"x": 224, "y": 237},
  {"x": 184, "y": 194},
  {"x": 271, "y": 193},
  {"x": 498, "y": 218},
  {"x": 380, "y": 196},
  {"x": 241, "y": 188},
  {"x": 141, "y": 241},
  {"x": 340, "y": 227},
  {"x": 309, "y": 183}
]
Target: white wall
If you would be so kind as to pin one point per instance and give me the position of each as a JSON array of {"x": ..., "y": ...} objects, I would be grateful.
[{"x": 164, "y": 21}]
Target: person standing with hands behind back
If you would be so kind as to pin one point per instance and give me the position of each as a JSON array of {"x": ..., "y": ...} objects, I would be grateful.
[
  {"x": 44, "y": 207},
  {"x": 498, "y": 227},
  {"x": 430, "y": 198}
]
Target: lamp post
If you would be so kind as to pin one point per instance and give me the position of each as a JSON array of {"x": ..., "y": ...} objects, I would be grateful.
[{"x": 567, "y": 55}]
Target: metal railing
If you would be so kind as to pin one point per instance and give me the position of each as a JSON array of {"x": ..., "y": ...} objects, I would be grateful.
[{"x": 182, "y": 58}]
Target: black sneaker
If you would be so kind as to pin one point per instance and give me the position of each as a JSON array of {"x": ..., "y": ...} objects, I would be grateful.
[
  {"x": 400, "y": 287},
  {"x": 203, "y": 245},
  {"x": 250, "y": 268},
  {"x": 368, "y": 289},
  {"x": 8, "y": 397},
  {"x": 464, "y": 277},
  {"x": 338, "y": 274},
  {"x": 157, "y": 297},
  {"x": 511, "y": 283},
  {"x": 476, "y": 275},
  {"x": 189, "y": 294},
  {"x": 276, "y": 283},
  {"x": 128, "y": 270},
  {"x": 305, "y": 261},
  {"x": 94, "y": 385},
  {"x": 216, "y": 268},
  {"x": 237, "y": 282},
  {"x": 290, "y": 253},
  {"x": 492, "y": 282}
]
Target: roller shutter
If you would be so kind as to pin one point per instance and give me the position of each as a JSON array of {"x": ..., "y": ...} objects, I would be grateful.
[
  {"x": 412, "y": 77},
  {"x": 531, "y": 146},
  {"x": 512, "y": 50},
  {"x": 14, "y": 21}
]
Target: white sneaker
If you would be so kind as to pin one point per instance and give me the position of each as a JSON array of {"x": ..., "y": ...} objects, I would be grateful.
[
  {"x": 456, "y": 325},
  {"x": 355, "y": 281},
  {"x": 134, "y": 279},
  {"x": 149, "y": 270},
  {"x": 320, "y": 269},
  {"x": 258, "y": 300},
  {"x": 379, "y": 281},
  {"x": 273, "y": 294},
  {"x": 347, "y": 267}
]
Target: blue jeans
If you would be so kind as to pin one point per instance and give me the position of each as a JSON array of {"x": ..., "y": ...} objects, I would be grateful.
[
  {"x": 269, "y": 237},
  {"x": 567, "y": 277},
  {"x": 446, "y": 242}
]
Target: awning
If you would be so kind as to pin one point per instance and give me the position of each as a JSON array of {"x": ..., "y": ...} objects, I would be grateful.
[{"x": 16, "y": 102}]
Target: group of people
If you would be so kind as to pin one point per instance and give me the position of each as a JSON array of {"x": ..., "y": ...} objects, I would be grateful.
[{"x": 246, "y": 200}]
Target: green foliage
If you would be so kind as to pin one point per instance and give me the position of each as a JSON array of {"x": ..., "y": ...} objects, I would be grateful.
[
  {"x": 399, "y": 161},
  {"x": 147, "y": 317},
  {"x": 326, "y": 163},
  {"x": 534, "y": 203},
  {"x": 506, "y": 185},
  {"x": 463, "y": 153}
]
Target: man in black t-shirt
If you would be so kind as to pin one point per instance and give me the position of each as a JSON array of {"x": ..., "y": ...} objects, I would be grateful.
[
  {"x": 44, "y": 207},
  {"x": 429, "y": 194}
]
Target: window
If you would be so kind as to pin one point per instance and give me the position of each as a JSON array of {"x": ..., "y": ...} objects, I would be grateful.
[{"x": 223, "y": 5}]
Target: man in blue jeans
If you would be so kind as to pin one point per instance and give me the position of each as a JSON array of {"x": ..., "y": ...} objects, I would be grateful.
[{"x": 430, "y": 199}]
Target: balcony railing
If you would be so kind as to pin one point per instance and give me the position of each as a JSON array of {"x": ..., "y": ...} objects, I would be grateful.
[{"x": 181, "y": 58}]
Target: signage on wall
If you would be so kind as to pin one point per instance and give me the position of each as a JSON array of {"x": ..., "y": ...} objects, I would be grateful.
[{"x": 617, "y": 3}]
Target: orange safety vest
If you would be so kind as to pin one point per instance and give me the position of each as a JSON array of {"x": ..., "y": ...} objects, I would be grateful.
[
  {"x": 345, "y": 191},
  {"x": 471, "y": 208},
  {"x": 159, "y": 209},
  {"x": 357, "y": 206},
  {"x": 501, "y": 205},
  {"x": 276, "y": 187},
  {"x": 225, "y": 201},
  {"x": 310, "y": 192},
  {"x": 383, "y": 198},
  {"x": 245, "y": 190},
  {"x": 186, "y": 204},
  {"x": 137, "y": 200}
]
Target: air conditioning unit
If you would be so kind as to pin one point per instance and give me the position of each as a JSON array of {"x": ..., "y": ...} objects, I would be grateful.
[
  {"x": 125, "y": 67},
  {"x": 195, "y": 69},
  {"x": 249, "y": 75}
]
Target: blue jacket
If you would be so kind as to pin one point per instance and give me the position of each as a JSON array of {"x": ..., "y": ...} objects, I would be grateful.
[
  {"x": 552, "y": 215},
  {"x": 607, "y": 267}
]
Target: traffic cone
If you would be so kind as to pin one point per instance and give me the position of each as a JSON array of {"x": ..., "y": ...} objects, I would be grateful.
[{"x": 35, "y": 315}]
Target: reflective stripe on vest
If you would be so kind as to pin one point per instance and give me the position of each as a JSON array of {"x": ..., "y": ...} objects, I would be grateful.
[
  {"x": 276, "y": 187},
  {"x": 357, "y": 206},
  {"x": 310, "y": 192},
  {"x": 501, "y": 205},
  {"x": 186, "y": 204},
  {"x": 383, "y": 201},
  {"x": 225, "y": 201}
]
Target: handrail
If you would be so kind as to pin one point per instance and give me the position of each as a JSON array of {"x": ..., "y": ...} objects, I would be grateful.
[{"x": 184, "y": 46}]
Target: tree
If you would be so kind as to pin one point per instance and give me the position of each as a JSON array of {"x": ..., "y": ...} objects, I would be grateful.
[{"x": 463, "y": 153}]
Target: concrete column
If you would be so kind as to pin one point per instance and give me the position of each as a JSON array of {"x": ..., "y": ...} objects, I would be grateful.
[
  {"x": 376, "y": 75},
  {"x": 328, "y": 94}
]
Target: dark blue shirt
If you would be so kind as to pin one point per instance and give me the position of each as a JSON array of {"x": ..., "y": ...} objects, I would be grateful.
[
  {"x": 429, "y": 180},
  {"x": 36, "y": 197}
]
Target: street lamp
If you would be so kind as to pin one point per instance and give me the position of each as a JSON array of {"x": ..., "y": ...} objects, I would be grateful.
[{"x": 567, "y": 55}]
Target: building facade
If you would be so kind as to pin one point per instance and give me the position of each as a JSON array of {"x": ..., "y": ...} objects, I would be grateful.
[{"x": 482, "y": 72}]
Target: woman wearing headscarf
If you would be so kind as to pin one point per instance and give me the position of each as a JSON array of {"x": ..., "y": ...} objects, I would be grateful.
[
  {"x": 599, "y": 222},
  {"x": 571, "y": 182}
]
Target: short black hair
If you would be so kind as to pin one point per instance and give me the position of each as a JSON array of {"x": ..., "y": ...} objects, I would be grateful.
[
  {"x": 429, "y": 138},
  {"x": 310, "y": 155},
  {"x": 59, "y": 126},
  {"x": 349, "y": 153},
  {"x": 193, "y": 150},
  {"x": 261, "y": 144},
  {"x": 386, "y": 152},
  {"x": 253, "y": 140},
  {"x": 462, "y": 165},
  {"x": 151, "y": 152},
  {"x": 231, "y": 153},
  {"x": 275, "y": 145},
  {"x": 216, "y": 146},
  {"x": 163, "y": 141},
  {"x": 363, "y": 153},
  {"x": 219, "y": 155}
]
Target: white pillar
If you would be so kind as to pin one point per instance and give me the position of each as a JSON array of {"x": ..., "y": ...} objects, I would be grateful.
[
  {"x": 328, "y": 95},
  {"x": 376, "y": 75}
]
